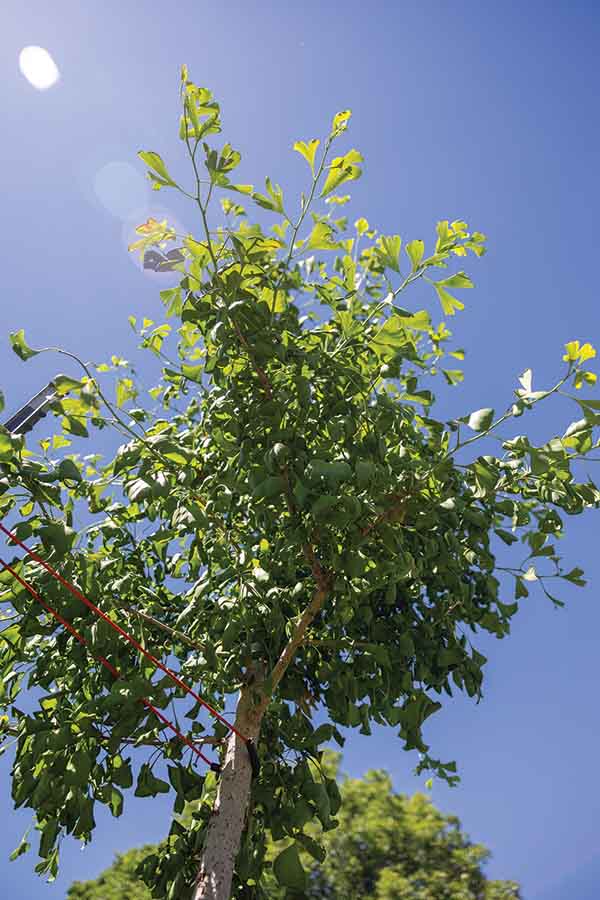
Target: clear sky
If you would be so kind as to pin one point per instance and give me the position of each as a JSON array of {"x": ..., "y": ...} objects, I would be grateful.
[{"x": 482, "y": 111}]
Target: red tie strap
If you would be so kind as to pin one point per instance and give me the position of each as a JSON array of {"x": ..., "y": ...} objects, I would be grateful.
[
  {"x": 77, "y": 593},
  {"x": 107, "y": 665}
]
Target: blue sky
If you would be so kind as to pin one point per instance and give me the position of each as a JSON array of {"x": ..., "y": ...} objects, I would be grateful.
[{"x": 487, "y": 112}]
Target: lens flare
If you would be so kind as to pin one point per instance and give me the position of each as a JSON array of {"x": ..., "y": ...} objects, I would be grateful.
[
  {"x": 38, "y": 67},
  {"x": 122, "y": 190}
]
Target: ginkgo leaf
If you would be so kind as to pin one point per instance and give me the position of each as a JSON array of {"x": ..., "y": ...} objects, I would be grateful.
[
  {"x": 415, "y": 250},
  {"x": 308, "y": 151},
  {"x": 288, "y": 870},
  {"x": 154, "y": 162},
  {"x": 20, "y": 346},
  {"x": 481, "y": 419},
  {"x": 449, "y": 303},
  {"x": 341, "y": 169}
]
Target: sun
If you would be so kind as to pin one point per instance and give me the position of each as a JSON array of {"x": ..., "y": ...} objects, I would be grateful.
[{"x": 38, "y": 67}]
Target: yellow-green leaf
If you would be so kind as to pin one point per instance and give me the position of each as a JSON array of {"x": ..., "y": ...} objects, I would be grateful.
[
  {"x": 459, "y": 280},
  {"x": 449, "y": 303},
  {"x": 20, "y": 346},
  {"x": 308, "y": 151},
  {"x": 415, "y": 251},
  {"x": 154, "y": 162},
  {"x": 240, "y": 188},
  {"x": 321, "y": 238},
  {"x": 64, "y": 384},
  {"x": 340, "y": 122},
  {"x": 572, "y": 354},
  {"x": 341, "y": 169},
  {"x": 388, "y": 251},
  {"x": 586, "y": 352}
]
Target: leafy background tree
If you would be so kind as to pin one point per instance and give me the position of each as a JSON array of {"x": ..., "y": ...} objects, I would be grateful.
[
  {"x": 387, "y": 846},
  {"x": 331, "y": 549}
]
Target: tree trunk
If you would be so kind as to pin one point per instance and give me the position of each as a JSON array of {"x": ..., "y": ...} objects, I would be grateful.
[{"x": 228, "y": 818}]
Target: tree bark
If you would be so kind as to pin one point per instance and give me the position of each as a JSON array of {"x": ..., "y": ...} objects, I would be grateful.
[{"x": 228, "y": 817}]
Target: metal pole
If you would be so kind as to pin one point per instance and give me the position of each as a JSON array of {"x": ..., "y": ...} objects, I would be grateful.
[{"x": 35, "y": 409}]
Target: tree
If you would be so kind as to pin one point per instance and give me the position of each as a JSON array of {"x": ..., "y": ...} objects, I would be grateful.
[
  {"x": 118, "y": 882},
  {"x": 387, "y": 846},
  {"x": 288, "y": 522}
]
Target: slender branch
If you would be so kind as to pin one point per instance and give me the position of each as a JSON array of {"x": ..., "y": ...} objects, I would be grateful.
[
  {"x": 296, "y": 228},
  {"x": 508, "y": 415},
  {"x": 167, "y": 628},
  {"x": 106, "y": 402},
  {"x": 211, "y": 741},
  {"x": 314, "y": 607}
]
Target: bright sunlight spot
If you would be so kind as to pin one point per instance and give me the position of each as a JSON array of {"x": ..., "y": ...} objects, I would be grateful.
[{"x": 38, "y": 67}]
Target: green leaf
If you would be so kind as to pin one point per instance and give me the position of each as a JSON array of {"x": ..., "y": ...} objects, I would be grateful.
[
  {"x": 365, "y": 472},
  {"x": 68, "y": 470},
  {"x": 311, "y": 846},
  {"x": 138, "y": 490},
  {"x": 64, "y": 384},
  {"x": 321, "y": 238},
  {"x": 459, "y": 280},
  {"x": 506, "y": 536},
  {"x": 388, "y": 251},
  {"x": 574, "y": 576},
  {"x": 323, "y": 505},
  {"x": 449, "y": 303},
  {"x": 341, "y": 169},
  {"x": 23, "y": 847},
  {"x": 194, "y": 373},
  {"x": 241, "y": 188},
  {"x": 288, "y": 870},
  {"x": 148, "y": 785},
  {"x": 420, "y": 321},
  {"x": 20, "y": 346},
  {"x": 308, "y": 151},
  {"x": 415, "y": 251},
  {"x": 274, "y": 201},
  {"x": 391, "y": 338},
  {"x": 520, "y": 589},
  {"x": 154, "y": 161},
  {"x": 340, "y": 122},
  {"x": 481, "y": 419},
  {"x": 270, "y": 487},
  {"x": 57, "y": 536},
  {"x": 116, "y": 802},
  {"x": 1, "y": 400},
  {"x": 453, "y": 376},
  {"x": 6, "y": 445}
]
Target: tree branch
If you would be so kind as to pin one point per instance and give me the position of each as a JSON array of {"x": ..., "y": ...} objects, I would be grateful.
[
  {"x": 158, "y": 624},
  {"x": 314, "y": 607}
]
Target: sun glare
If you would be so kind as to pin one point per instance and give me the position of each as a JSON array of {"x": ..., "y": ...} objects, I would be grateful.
[{"x": 38, "y": 67}]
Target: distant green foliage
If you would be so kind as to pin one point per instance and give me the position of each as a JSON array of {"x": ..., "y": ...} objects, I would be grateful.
[
  {"x": 119, "y": 882},
  {"x": 394, "y": 847}
]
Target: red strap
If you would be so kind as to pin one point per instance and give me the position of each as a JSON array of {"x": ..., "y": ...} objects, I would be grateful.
[
  {"x": 115, "y": 672},
  {"x": 123, "y": 633}
]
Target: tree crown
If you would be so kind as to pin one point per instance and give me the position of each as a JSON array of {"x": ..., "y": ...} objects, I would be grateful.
[{"x": 285, "y": 512}]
